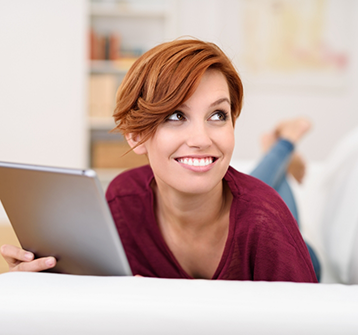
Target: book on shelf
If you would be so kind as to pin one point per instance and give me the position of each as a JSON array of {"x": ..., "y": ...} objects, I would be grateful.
[
  {"x": 102, "y": 92},
  {"x": 104, "y": 47},
  {"x": 114, "y": 45},
  {"x": 109, "y": 47}
]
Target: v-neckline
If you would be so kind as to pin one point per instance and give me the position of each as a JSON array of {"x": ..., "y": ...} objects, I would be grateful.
[{"x": 228, "y": 241}]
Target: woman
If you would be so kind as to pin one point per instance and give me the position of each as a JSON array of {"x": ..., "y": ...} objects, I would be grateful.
[{"x": 188, "y": 214}]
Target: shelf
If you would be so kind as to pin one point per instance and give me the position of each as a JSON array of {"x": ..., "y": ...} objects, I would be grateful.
[
  {"x": 118, "y": 67},
  {"x": 125, "y": 11},
  {"x": 101, "y": 123}
]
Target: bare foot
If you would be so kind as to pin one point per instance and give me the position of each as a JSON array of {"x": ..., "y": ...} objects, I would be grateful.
[
  {"x": 297, "y": 167},
  {"x": 293, "y": 130},
  {"x": 267, "y": 141}
]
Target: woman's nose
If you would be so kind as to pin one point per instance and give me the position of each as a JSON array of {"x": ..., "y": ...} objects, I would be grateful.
[{"x": 198, "y": 136}]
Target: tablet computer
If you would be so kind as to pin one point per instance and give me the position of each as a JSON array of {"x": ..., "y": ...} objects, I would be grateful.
[{"x": 63, "y": 213}]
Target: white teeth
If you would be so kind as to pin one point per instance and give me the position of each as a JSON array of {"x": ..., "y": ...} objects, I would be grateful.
[{"x": 196, "y": 161}]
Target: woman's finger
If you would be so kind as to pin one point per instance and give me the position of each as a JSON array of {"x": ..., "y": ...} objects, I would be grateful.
[
  {"x": 36, "y": 265},
  {"x": 13, "y": 255},
  {"x": 22, "y": 260}
]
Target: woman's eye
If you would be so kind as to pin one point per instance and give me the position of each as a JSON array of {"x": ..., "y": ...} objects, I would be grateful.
[
  {"x": 176, "y": 116},
  {"x": 219, "y": 116}
]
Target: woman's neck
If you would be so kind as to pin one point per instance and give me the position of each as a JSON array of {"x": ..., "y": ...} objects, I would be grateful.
[{"x": 191, "y": 211}]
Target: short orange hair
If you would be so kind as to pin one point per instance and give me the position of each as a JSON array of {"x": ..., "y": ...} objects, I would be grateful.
[{"x": 164, "y": 78}]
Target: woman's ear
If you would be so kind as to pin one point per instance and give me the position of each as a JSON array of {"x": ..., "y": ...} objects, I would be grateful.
[{"x": 133, "y": 141}]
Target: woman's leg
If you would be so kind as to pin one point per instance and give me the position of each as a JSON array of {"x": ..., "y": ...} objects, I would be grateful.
[
  {"x": 272, "y": 170},
  {"x": 285, "y": 191}
]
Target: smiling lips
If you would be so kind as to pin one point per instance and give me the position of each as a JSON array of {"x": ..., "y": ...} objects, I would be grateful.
[{"x": 205, "y": 161}]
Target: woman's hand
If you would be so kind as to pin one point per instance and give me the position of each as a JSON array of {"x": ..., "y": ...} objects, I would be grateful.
[{"x": 22, "y": 260}]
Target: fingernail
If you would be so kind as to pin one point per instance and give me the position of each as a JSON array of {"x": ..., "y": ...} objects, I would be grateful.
[
  {"x": 50, "y": 262},
  {"x": 28, "y": 256}
]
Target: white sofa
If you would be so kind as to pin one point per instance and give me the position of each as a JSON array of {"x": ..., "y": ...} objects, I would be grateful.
[
  {"x": 329, "y": 210},
  {"x": 44, "y": 303}
]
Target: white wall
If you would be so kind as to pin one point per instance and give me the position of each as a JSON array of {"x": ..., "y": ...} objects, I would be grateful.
[
  {"x": 332, "y": 111},
  {"x": 42, "y": 82}
]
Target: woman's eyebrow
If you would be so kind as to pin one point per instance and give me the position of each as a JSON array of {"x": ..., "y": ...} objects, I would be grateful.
[
  {"x": 219, "y": 101},
  {"x": 215, "y": 103}
]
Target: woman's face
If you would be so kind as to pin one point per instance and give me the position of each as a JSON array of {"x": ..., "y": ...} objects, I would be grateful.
[{"x": 190, "y": 152}]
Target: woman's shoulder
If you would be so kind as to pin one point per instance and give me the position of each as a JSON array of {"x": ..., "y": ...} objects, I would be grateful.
[
  {"x": 246, "y": 186},
  {"x": 130, "y": 182},
  {"x": 256, "y": 202}
]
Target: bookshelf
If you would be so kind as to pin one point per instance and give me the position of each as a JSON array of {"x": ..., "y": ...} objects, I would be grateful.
[{"x": 119, "y": 32}]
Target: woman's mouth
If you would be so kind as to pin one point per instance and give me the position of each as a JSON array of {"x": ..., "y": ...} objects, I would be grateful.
[{"x": 205, "y": 161}]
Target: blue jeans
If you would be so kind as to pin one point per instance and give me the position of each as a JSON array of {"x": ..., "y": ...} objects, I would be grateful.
[{"x": 272, "y": 170}]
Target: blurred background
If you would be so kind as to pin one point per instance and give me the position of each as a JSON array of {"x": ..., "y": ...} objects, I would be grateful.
[{"x": 61, "y": 62}]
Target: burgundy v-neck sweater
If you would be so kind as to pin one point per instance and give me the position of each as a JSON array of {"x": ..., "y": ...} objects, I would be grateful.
[{"x": 263, "y": 242}]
